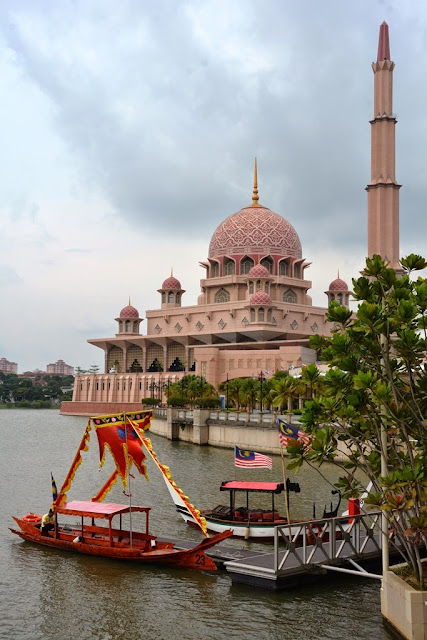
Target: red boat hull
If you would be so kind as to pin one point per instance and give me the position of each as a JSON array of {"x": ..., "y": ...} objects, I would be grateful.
[{"x": 145, "y": 549}]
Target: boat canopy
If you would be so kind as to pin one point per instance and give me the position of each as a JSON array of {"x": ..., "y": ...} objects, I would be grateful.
[
  {"x": 97, "y": 509},
  {"x": 259, "y": 487}
]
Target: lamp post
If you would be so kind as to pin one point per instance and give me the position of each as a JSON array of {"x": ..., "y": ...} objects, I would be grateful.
[
  {"x": 226, "y": 394},
  {"x": 261, "y": 379}
]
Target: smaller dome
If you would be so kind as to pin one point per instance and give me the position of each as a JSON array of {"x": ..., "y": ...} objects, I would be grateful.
[
  {"x": 171, "y": 283},
  {"x": 258, "y": 271},
  {"x": 260, "y": 297},
  {"x": 338, "y": 285},
  {"x": 129, "y": 312}
]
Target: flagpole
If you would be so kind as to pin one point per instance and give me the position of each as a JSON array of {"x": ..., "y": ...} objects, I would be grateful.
[
  {"x": 286, "y": 491},
  {"x": 128, "y": 479}
]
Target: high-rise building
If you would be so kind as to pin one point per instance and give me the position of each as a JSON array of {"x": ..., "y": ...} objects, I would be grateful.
[
  {"x": 60, "y": 368},
  {"x": 8, "y": 367}
]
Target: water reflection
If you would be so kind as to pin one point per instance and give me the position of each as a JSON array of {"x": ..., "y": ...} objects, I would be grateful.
[{"x": 48, "y": 594}]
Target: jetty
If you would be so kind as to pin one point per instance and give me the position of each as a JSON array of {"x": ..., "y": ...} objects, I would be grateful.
[{"x": 316, "y": 548}]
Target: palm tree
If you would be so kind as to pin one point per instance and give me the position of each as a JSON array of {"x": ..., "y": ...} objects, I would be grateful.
[
  {"x": 250, "y": 389},
  {"x": 283, "y": 392}
]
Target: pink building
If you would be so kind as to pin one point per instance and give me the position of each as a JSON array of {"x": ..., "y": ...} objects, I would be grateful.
[
  {"x": 8, "y": 367},
  {"x": 254, "y": 312},
  {"x": 60, "y": 368}
]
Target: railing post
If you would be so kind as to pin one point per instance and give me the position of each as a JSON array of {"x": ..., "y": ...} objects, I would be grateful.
[
  {"x": 276, "y": 549},
  {"x": 332, "y": 538}
]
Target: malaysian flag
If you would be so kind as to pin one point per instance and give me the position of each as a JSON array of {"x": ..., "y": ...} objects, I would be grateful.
[
  {"x": 244, "y": 458},
  {"x": 288, "y": 432}
]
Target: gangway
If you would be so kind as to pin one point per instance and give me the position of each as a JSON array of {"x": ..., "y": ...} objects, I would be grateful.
[{"x": 313, "y": 548}]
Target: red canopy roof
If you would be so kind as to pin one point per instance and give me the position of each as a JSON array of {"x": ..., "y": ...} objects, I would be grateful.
[
  {"x": 96, "y": 509},
  {"x": 270, "y": 487}
]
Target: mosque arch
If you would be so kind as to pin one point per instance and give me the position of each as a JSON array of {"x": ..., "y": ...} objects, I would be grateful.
[
  {"x": 283, "y": 268},
  {"x": 222, "y": 295},
  {"x": 290, "y": 296},
  {"x": 229, "y": 267},
  {"x": 268, "y": 263},
  {"x": 246, "y": 264}
]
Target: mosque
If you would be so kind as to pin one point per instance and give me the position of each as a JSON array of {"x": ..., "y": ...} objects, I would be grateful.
[{"x": 254, "y": 314}]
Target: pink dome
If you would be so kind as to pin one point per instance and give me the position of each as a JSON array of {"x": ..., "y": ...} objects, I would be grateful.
[
  {"x": 258, "y": 271},
  {"x": 255, "y": 231},
  {"x": 260, "y": 297},
  {"x": 171, "y": 283},
  {"x": 129, "y": 312},
  {"x": 338, "y": 285}
]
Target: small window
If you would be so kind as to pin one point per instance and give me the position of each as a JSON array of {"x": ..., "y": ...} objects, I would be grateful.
[
  {"x": 297, "y": 271},
  {"x": 290, "y": 296},
  {"x": 222, "y": 296},
  {"x": 163, "y": 297},
  {"x": 269, "y": 316},
  {"x": 252, "y": 315},
  {"x": 251, "y": 288},
  {"x": 283, "y": 268},
  {"x": 215, "y": 270},
  {"x": 268, "y": 264},
  {"x": 127, "y": 326},
  {"x": 246, "y": 265},
  {"x": 260, "y": 314},
  {"x": 170, "y": 297},
  {"x": 178, "y": 297},
  {"x": 267, "y": 287},
  {"x": 230, "y": 268}
]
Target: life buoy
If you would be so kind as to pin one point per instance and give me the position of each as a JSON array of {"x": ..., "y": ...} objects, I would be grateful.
[
  {"x": 314, "y": 531},
  {"x": 33, "y": 518}
]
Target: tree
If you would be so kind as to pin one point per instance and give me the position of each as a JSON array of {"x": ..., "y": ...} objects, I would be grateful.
[
  {"x": 375, "y": 399},
  {"x": 93, "y": 369},
  {"x": 283, "y": 391}
]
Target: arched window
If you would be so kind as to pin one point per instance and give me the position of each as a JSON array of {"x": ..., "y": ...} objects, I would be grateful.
[
  {"x": 215, "y": 270},
  {"x": 246, "y": 265},
  {"x": 268, "y": 264},
  {"x": 163, "y": 297},
  {"x": 283, "y": 268},
  {"x": 258, "y": 285},
  {"x": 120, "y": 326},
  {"x": 290, "y": 296},
  {"x": 297, "y": 271},
  {"x": 178, "y": 297},
  {"x": 230, "y": 268},
  {"x": 170, "y": 296},
  {"x": 332, "y": 296},
  {"x": 222, "y": 295},
  {"x": 339, "y": 298},
  {"x": 251, "y": 288},
  {"x": 267, "y": 287},
  {"x": 269, "y": 315},
  {"x": 135, "y": 327},
  {"x": 127, "y": 326},
  {"x": 252, "y": 315},
  {"x": 260, "y": 314}
]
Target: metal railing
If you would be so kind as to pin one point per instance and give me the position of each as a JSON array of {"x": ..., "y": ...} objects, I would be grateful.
[{"x": 329, "y": 541}]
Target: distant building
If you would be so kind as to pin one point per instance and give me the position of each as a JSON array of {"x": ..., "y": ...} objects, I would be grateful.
[
  {"x": 8, "y": 367},
  {"x": 60, "y": 368}
]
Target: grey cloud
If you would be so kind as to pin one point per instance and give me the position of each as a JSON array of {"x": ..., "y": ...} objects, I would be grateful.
[{"x": 168, "y": 129}]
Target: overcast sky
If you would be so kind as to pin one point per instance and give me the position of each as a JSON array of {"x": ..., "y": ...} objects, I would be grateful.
[{"x": 128, "y": 133}]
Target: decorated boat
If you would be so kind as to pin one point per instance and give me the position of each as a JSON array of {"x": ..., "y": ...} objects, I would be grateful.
[
  {"x": 245, "y": 519},
  {"x": 99, "y": 530}
]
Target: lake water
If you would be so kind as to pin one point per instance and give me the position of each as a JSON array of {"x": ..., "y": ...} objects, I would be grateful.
[{"x": 49, "y": 594}]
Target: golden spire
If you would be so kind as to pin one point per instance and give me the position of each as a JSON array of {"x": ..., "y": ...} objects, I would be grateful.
[
  {"x": 129, "y": 300},
  {"x": 255, "y": 191},
  {"x": 171, "y": 272}
]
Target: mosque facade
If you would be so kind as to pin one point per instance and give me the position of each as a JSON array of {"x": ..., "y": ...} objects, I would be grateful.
[{"x": 254, "y": 313}]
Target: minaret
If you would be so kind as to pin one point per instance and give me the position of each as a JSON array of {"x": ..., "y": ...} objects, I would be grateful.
[{"x": 383, "y": 190}]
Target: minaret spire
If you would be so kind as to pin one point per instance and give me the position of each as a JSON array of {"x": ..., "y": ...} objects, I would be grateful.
[
  {"x": 255, "y": 197},
  {"x": 383, "y": 189},
  {"x": 383, "y": 43}
]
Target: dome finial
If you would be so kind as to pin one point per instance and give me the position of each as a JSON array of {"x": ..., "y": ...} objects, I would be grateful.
[
  {"x": 129, "y": 300},
  {"x": 171, "y": 272},
  {"x": 255, "y": 197}
]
